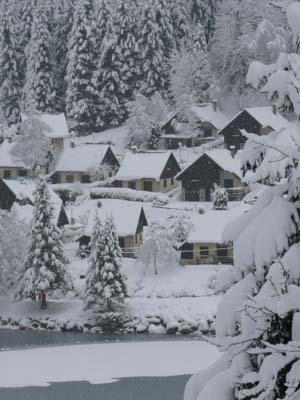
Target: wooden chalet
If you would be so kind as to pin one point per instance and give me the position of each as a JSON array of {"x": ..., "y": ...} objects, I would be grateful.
[
  {"x": 129, "y": 219},
  {"x": 149, "y": 171},
  {"x": 210, "y": 168},
  {"x": 19, "y": 193},
  {"x": 257, "y": 120},
  {"x": 85, "y": 163}
]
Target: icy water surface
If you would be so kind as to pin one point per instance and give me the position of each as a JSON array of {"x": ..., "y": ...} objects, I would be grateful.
[{"x": 153, "y": 388}]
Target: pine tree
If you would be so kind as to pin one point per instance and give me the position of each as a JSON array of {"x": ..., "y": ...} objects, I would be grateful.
[
  {"x": 204, "y": 12},
  {"x": 153, "y": 63},
  {"x": 118, "y": 69},
  {"x": 39, "y": 86},
  {"x": 80, "y": 107},
  {"x": 182, "y": 23},
  {"x": 9, "y": 75},
  {"x": 45, "y": 266},
  {"x": 105, "y": 284},
  {"x": 61, "y": 33}
]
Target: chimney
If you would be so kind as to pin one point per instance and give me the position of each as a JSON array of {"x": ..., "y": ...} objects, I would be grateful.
[
  {"x": 72, "y": 144},
  {"x": 215, "y": 105},
  {"x": 274, "y": 108}
]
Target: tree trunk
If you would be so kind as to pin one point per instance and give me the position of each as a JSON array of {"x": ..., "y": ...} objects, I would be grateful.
[
  {"x": 43, "y": 301},
  {"x": 155, "y": 267}
]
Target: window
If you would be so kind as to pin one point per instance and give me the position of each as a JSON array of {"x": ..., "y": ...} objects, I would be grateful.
[
  {"x": 132, "y": 185},
  {"x": 204, "y": 251},
  {"x": 228, "y": 183},
  {"x": 22, "y": 172},
  {"x": 172, "y": 181},
  {"x": 122, "y": 242},
  {"x": 70, "y": 178},
  {"x": 207, "y": 132},
  {"x": 7, "y": 174},
  {"x": 165, "y": 183},
  {"x": 187, "y": 251},
  {"x": 85, "y": 179},
  {"x": 148, "y": 186}
]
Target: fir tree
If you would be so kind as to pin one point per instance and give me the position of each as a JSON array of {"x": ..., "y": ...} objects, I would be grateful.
[
  {"x": 103, "y": 22},
  {"x": 61, "y": 32},
  {"x": 9, "y": 75},
  {"x": 182, "y": 23},
  {"x": 45, "y": 266},
  {"x": 153, "y": 65},
  {"x": 204, "y": 12},
  {"x": 39, "y": 86},
  {"x": 105, "y": 284},
  {"x": 80, "y": 106},
  {"x": 118, "y": 70}
]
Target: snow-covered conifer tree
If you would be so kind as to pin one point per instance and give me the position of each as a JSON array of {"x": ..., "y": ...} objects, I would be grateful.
[
  {"x": 153, "y": 52},
  {"x": 46, "y": 266},
  {"x": 105, "y": 284},
  {"x": 39, "y": 86},
  {"x": 118, "y": 69},
  {"x": 257, "y": 320},
  {"x": 182, "y": 23},
  {"x": 9, "y": 75},
  {"x": 204, "y": 12},
  {"x": 220, "y": 198},
  {"x": 82, "y": 55},
  {"x": 158, "y": 247}
]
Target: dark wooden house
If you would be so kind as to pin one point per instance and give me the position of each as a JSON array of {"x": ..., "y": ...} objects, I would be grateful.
[
  {"x": 210, "y": 168},
  {"x": 20, "y": 192},
  {"x": 257, "y": 120}
]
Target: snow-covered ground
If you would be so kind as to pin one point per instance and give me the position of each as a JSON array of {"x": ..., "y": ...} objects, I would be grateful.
[{"x": 103, "y": 363}]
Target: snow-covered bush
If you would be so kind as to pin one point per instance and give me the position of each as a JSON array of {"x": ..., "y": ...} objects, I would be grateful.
[
  {"x": 105, "y": 284},
  {"x": 158, "y": 247},
  {"x": 45, "y": 267},
  {"x": 130, "y": 195},
  {"x": 220, "y": 198},
  {"x": 180, "y": 227},
  {"x": 257, "y": 320}
]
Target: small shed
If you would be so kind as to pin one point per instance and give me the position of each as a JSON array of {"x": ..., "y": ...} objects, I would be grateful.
[{"x": 149, "y": 171}]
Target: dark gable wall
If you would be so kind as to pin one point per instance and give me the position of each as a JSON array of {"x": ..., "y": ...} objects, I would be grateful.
[
  {"x": 202, "y": 174},
  {"x": 7, "y": 197},
  {"x": 110, "y": 158},
  {"x": 171, "y": 168},
  {"x": 232, "y": 134}
]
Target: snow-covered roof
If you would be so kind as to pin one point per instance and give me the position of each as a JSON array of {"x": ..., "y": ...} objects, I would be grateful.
[
  {"x": 56, "y": 122},
  {"x": 208, "y": 228},
  {"x": 207, "y": 113},
  {"x": 24, "y": 188},
  {"x": 6, "y": 158},
  {"x": 81, "y": 158},
  {"x": 143, "y": 165},
  {"x": 223, "y": 158},
  {"x": 126, "y": 214},
  {"x": 266, "y": 117}
]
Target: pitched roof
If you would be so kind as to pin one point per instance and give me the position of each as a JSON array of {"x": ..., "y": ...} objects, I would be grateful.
[
  {"x": 81, "y": 158},
  {"x": 207, "y": 113},
  {"x": 126, "y": 214},
  {"x": 56, "y": 122},
  {"x": 265, "y": 116},
  {"x": 143, "y": 165},
  {"x": 25, "y": 188},
  {"x": 6, "y": 158},
  {"x": 221, "y": 157},
  {"x": 209, "y": 227}
]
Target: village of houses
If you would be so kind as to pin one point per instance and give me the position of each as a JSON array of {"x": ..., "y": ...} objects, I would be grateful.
[{"x": 97, "y": 174}]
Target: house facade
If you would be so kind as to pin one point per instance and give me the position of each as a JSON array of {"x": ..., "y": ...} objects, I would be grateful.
[
  {"x": 210, "y": 168},
  {"x": 10, "y": 167},
  {"x": 85, "y": 163},
  {"x": 206, "y": 253},
  {"x": 257, "y": 120},
  {"x": 151, "y": 172}
]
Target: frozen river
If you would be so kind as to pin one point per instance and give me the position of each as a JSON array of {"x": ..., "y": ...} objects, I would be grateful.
[{"x": 59, "y": 366}]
